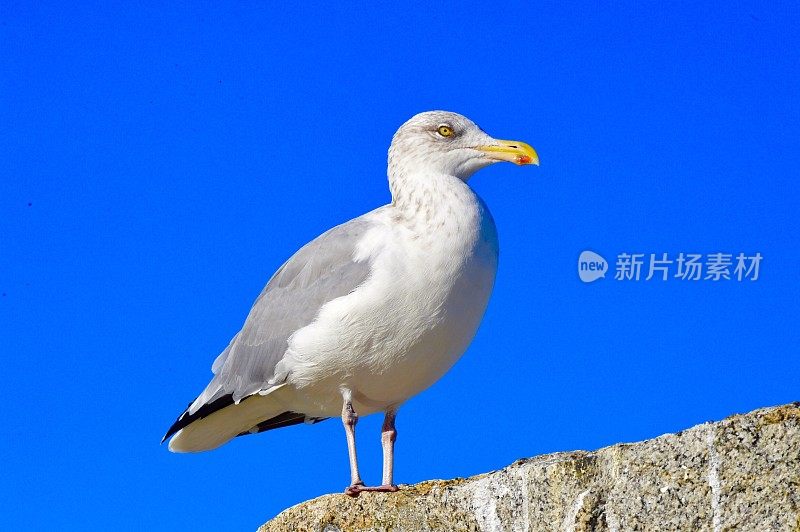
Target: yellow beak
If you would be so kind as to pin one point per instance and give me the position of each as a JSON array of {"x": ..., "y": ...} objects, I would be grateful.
[{"x": 512, "y": 151}]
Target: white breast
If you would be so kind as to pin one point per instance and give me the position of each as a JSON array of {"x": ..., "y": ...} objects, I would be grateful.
[{"x": 411, "y": 320}]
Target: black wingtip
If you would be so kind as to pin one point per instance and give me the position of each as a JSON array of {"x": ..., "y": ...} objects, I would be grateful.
[
  {"x": 206, "y": 410},
  {"x": 283, "y": 420}
]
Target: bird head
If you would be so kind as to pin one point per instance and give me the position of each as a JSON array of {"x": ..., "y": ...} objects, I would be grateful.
[{"x": 449, "y": 143}]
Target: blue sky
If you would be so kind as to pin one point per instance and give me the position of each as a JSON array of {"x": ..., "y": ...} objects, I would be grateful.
[{"x": 154, "y": 157}]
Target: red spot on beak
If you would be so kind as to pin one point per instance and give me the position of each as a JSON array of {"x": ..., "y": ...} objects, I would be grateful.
[{"x": 523, "y": 159}]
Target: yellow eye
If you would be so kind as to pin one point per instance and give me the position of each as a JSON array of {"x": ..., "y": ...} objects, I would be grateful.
[{"x": 445, "y": 131}]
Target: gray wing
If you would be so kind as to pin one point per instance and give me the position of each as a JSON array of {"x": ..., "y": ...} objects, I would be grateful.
[{"x": 319, "y": 272}]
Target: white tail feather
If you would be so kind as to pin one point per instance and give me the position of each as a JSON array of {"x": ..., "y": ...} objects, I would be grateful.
[{"x": 223, "y": 425}]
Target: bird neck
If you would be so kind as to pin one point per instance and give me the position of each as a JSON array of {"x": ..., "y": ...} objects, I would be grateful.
[
  {"x": 430, "y": 203},
  {"x": 427, "y": 192}
]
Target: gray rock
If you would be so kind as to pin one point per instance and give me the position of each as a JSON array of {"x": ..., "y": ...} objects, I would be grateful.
[{"x": 742, "y": 474}]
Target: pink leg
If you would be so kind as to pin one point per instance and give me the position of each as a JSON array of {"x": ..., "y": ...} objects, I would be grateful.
[
  {"x": 388, "y": 437},
  {"x": 349, "y": 420}
]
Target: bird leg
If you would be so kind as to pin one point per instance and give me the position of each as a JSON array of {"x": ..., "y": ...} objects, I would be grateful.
[
  {"x": 349, "y": 420},
  {"x": 388, "y": 437}
]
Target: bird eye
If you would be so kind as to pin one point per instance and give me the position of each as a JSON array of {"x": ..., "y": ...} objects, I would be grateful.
[{"x": 445, "y": 131}]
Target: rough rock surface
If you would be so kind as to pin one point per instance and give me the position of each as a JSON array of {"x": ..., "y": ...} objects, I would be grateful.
[{"x": 742, "y": 473}]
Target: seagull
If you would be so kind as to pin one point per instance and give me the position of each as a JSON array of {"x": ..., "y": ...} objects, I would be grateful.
[{"x": 371, "y": 312}]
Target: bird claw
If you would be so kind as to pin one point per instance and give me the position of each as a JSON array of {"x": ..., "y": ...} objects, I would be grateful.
[{"x": 356, "y": 489}]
